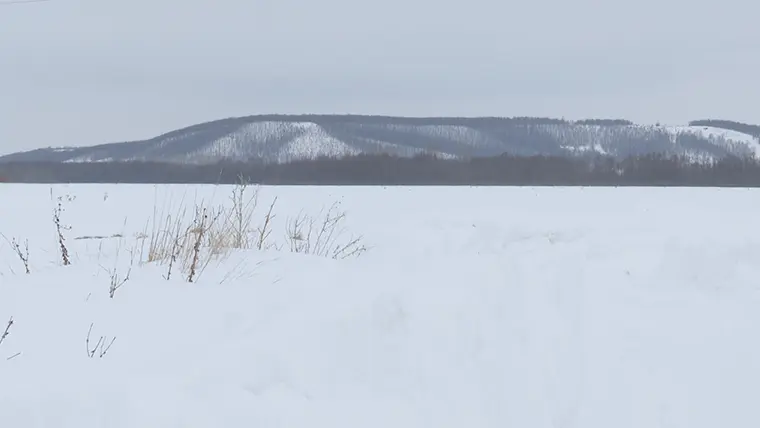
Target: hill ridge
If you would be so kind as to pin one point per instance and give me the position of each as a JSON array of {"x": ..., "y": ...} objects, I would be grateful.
[{"x": 281, "y": 138}]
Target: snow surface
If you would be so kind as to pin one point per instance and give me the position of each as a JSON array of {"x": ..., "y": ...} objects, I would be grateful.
[{"x": 475, "y": 307}]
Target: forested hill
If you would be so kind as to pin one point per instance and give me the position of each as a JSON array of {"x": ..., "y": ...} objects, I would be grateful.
[{"x": 287, "y": 138}]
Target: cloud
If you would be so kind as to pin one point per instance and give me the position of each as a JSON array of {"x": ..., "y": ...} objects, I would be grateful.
[{"x": 87, "y": 71}]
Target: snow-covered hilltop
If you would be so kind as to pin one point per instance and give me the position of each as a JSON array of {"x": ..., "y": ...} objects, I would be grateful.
[{"x": 282, "y": 138}]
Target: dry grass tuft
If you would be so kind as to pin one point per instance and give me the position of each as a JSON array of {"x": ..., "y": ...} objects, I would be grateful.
[
  {"x": 191, "y": 243},
  {"x": 188, "y": 239}
]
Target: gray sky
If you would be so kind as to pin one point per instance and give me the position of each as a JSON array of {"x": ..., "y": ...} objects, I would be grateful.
[{"x": 83, "y": 72}]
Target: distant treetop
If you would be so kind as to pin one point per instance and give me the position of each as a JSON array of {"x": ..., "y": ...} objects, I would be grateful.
[{"x": 604, "y": 122}]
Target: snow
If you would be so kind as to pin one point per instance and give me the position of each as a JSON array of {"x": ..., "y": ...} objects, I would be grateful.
[
  {"x": 596, "y": 148},
  {"x": 95, "y": 158},
  {"x": 303, "y": 140},
  {"x": 312, "y": 143},
  {"x": 718, "y": 135},
  {"x": 474, "y": 307}
]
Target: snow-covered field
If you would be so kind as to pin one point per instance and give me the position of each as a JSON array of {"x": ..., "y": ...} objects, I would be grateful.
[{"x": 473, "y": 307}]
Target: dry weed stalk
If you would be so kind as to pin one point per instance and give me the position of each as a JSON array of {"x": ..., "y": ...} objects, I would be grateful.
[
  {"x": 164, "y": 240},
  {"x": 116, "y": 281},
  {"x": 7, "y": 330},
  {"x": 176, "y": 248},
  {"x": 59, "y": 230},
  {"x": 100, "y": 348},
  {"x": 199, "y": 231},
  {"x": 22, "y": 253},
  {"x": 307, "y": 235},
  {"x": 170, "y": 243},
  {"x": 220, "y": 234},
  {"x": 265, "y": 230},
  {"x": 242, "y": 213},
  {"x": 207, "y": 233}
]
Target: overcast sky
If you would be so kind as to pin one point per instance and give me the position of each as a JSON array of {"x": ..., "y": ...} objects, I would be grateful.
[{"x": 83, "y": 72}]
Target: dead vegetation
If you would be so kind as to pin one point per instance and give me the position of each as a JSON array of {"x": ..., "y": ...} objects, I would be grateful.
[
  {"x": 102, "y": 346},
  {"x": 190, "y": 247},
  {"x": 22, "y": 253},
  {"x": 117, "y": 281},
  {"x": 189, "y": 243},
  {"x": 323, "y": 235},
  {"x": 266, "y": 229},
  {"x": 187, "y": 237},
  {"x": 7, "y": 330},
  {"x": 201, "y": 217},
  {"x": 60, "y": 228}
]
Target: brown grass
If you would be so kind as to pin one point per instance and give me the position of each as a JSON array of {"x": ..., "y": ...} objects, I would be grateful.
[{"x": 189, "y": 243}]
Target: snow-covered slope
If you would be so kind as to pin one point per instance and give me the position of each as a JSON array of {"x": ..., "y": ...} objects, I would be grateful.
[
  {"x": 474, "y": 307},
  {"x": 725, "y": 137},
  {"x": 286, "y": 138}
]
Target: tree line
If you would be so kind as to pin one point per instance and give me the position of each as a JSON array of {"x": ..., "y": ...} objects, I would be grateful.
[{"x": 641, "y": 170}]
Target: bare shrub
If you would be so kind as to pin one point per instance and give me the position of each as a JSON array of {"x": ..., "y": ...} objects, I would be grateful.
[
  {"x": 100, "y": 349},
  {"x": 22, "y": 253},
  {"x": 322, "y": 235}
]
